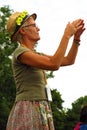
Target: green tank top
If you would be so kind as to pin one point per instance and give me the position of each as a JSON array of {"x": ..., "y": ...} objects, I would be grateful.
[{"x": 30, "y": 82}]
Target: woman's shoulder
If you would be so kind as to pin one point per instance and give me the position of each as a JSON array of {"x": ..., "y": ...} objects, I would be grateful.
[
  {"x": 21, "y": 49},
  {"x": 18, "y": 51}
]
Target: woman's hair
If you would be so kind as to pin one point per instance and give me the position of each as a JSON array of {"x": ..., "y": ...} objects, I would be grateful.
[
  {"x": 83, "y": 114},
  {"x": 19, "y": 36}
]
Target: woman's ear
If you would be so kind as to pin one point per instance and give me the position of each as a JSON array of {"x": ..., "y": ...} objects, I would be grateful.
[{"x": 22, "y": 30}]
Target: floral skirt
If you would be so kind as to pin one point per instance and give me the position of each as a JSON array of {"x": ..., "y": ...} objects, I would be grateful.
[{"x": 30, "y": 115}]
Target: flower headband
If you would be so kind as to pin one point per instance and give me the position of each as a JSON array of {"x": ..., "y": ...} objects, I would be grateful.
[
  {"x": 21, "y": 18},
  {"x": 19, "y": 21}
]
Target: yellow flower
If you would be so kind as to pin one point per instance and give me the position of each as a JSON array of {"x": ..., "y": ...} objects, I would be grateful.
[
  {"x": 19, "y": 20},
  {"x": 25, "y": 12},
  {"x": 21, "y": 17}
]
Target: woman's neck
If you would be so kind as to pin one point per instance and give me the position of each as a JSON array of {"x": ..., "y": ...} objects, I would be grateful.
[{"x": 28, "y": 44}]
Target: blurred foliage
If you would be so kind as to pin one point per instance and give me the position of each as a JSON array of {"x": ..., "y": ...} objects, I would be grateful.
[
  {"x": 57, "y": 109},
  {"x": 7, "y": 85}
]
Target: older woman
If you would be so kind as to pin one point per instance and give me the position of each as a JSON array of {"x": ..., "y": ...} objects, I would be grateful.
[{"x": 31, "y": 110}]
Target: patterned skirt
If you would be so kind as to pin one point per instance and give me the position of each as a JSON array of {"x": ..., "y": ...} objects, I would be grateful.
[{"x": 30, "y": 115}]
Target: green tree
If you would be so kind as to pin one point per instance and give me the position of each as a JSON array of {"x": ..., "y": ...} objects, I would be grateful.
[
  {"x": 4, "y": 111},
  {"x": 7, "y": 85},
  {"x": 57, "y": 109}
]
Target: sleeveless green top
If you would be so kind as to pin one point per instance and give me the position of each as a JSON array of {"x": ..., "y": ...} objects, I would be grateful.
[{"x": 30, "y": 82}]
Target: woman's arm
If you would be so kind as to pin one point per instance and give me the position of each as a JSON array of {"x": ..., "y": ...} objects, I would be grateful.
[
  {"x": 55, "y": 61},
  {"x": 70, "y": 58}
]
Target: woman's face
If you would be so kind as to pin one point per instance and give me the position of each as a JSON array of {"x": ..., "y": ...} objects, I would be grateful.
[{"x": 31, "y": 30}]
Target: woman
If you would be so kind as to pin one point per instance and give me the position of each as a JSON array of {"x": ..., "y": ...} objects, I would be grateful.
[{"x": 31, "y": 110}]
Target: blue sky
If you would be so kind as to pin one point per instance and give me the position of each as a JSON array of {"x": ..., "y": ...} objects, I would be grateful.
[{"x": 52, "y": 17}]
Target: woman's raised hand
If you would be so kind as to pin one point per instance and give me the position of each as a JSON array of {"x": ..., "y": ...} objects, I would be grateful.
[
  {"x": 73, "y": 27},
  {"x": 79, "y": 32}
]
